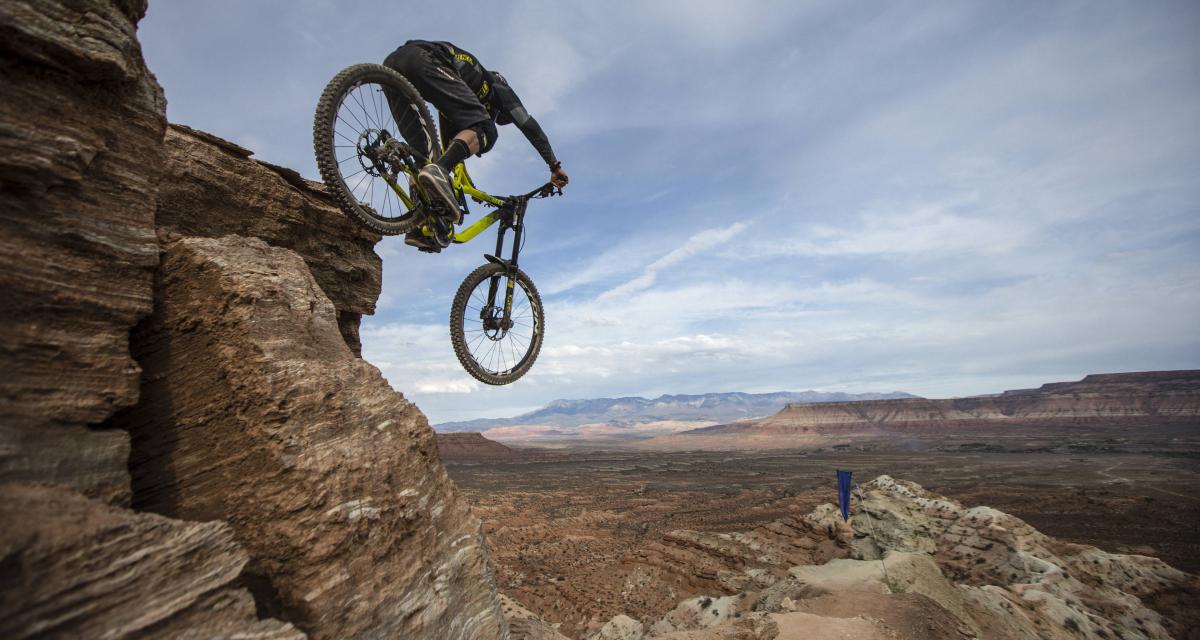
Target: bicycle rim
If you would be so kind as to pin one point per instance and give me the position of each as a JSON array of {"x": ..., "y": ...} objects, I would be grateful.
[{"x": 492, "y": 350}]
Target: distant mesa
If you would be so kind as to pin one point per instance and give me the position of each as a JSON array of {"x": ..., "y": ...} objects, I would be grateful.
[
  {"x": 1150, "y": 399},
  {"x": 462, "y": 447}
]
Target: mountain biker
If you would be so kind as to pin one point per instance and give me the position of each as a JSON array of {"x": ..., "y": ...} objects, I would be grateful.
[{"x": 470, "y": 101}]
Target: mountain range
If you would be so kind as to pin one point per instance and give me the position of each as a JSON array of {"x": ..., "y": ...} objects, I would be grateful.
[{"x": 636, "y": 417}]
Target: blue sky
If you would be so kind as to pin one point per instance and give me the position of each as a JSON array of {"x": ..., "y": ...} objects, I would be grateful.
[{"x": 945, "y": 198}]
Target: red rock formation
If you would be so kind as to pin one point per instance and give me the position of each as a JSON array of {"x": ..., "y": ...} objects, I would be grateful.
[
  {"x": 213, "y": 188},
  {"x": 466, "y": 446},
  {"x": 256, "y": 412}
]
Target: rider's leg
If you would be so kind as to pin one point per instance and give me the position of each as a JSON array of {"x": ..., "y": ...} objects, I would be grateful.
[
  {"x": 465, "y": 144},
  {"x": 431, "y": 72},
  {"x": 475, "y": 137}
]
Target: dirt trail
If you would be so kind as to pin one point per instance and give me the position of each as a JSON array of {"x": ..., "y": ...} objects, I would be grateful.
[{"x": 1115, "y": 478}]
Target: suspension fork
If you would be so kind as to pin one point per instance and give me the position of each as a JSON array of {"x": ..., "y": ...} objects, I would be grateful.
[{"x": 517, "y": 224}]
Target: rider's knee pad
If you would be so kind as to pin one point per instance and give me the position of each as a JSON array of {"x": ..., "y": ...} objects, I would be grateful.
[{"x": 487, "y": 135}]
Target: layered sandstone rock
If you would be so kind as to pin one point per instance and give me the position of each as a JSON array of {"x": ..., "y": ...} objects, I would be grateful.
[
  {"x": 80, "y": 160},
  {"x": 1028, "y": 576},
  {"x": 75, "y": 568},
  {"x": 256, "y": 412},
  {"x": 214, "y": 188},
  {"x": 524, "y": 624}
]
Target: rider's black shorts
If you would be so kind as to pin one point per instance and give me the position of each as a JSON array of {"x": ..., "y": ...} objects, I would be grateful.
[{"x": 431, "y": 71}]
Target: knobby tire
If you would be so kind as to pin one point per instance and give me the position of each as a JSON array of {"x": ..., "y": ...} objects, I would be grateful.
[
  {"x": 459, "y": 320},
  {"x": 325, "y": 140}
]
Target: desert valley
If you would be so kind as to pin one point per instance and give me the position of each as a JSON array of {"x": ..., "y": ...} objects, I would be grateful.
[
  {"x": 192, "y": 444},
  {"x": 583, "y": 530}
]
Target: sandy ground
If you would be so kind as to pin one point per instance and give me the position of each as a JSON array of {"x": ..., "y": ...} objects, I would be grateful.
[{"x": 567, "y": 531}]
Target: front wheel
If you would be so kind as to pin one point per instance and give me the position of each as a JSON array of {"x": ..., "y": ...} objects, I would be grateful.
[{"x": 494, "y": 347}]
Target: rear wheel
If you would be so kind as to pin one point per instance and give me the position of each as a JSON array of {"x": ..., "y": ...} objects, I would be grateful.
[
  {"x": 370, "y": 126},
  {"x": 493, "y": 348}
]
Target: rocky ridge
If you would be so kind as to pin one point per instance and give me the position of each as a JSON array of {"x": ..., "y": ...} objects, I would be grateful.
[
  {"x": 214, "y": 188},
  {"x": 178, "y": 308},
  {"x": 917, "y": 565},
  {"x": 1152, "y": 398}
]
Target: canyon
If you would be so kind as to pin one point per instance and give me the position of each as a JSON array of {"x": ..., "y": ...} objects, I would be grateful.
[
  {"x": 191, "y": 445},
  {"x": 598, "y": 537}
]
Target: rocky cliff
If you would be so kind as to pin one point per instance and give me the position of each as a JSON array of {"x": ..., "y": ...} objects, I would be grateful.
[
  {"x": 213, "y": 188},
  {"x": 176, "y": 308},
  {"x": 1153, "y": 398},
  {"x": 80, "y": 162},
  {"x": 915, "y": 565}
]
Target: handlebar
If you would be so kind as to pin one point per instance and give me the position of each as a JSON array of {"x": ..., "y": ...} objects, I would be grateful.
[{"x": 544, "y": 191}]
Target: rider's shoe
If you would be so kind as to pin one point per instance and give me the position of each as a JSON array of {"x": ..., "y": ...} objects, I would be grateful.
[
  {"x": 419, "y": 240},
  {"x": 436, "y": 181}
]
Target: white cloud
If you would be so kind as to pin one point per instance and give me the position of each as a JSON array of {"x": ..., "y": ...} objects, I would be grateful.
[
  {"x": 447, "y": 386},
  {"x": 699, "y": 242},
  {"x": 941, "y": 200}
]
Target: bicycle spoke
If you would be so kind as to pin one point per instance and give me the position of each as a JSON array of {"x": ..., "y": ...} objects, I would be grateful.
[
  {"x": 361, "y": 127},
  {"x": 384, "y": 110},
  {"x": 375, "y": 105},
  {"x": 524, "y": 345},
  {"x": 366, "y": 114},
  {"x": 513, "y": 347},
  {"x": 387, "y": 109},
  {"x": 359, "y": 183}
]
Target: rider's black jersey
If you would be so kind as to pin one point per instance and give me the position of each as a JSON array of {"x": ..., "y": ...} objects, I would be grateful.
[{"x": 495, "y": 94}]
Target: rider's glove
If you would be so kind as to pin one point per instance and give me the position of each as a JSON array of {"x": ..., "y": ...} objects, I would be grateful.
[{"x": 558, "y": 177}]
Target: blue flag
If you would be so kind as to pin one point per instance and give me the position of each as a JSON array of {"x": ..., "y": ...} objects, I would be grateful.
[{"x": 844, "y": 493}]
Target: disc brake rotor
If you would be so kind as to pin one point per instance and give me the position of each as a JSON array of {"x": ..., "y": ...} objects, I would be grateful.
[
  {"x": 372, "y": 151},
  {"x": 495, "y": 327}
]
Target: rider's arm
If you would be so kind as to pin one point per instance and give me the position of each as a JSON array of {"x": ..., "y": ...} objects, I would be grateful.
[{"x": 511, "y": 110}]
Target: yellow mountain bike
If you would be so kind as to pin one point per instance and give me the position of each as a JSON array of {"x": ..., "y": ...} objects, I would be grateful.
[{"x": 372, "y": 134}]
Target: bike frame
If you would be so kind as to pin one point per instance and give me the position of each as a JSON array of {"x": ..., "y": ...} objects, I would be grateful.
[{"x": 510, "y": 213}]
